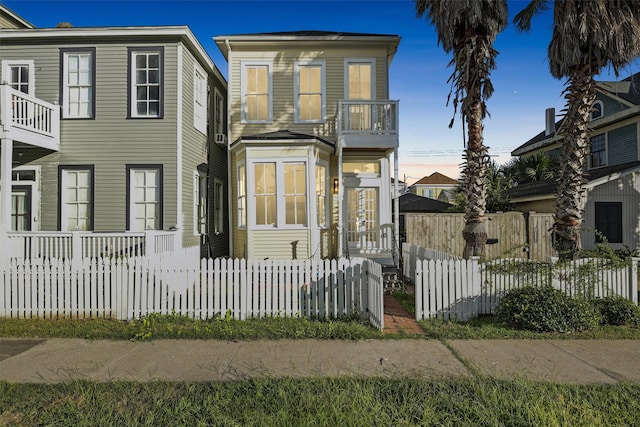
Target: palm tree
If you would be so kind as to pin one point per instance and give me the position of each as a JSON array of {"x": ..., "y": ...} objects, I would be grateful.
[
  {"x": 588, "y": 35},
  {"x": 468, "y": 28}
]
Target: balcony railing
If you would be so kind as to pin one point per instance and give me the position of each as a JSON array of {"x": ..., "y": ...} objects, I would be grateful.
[
  {"x": 28, "y": 119},
  {"x": 367, "y": 123}
]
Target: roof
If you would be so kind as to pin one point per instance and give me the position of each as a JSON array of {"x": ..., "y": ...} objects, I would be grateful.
[
  {"x": 19, "y": 21},
  {"x": 548, "y": 186},
  {"x": 627, "y": 89},
  {"x": 436, "y": 178},
  {"x": 308, "y": 33},
  {"x": 411, "y": 203},
  {"x": 281, "y": 135}
]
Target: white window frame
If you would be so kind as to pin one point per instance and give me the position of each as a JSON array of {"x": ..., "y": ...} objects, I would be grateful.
[
  {"x": 6, "y": 72},
  {"x": 327, "y": 193},
  {"x": 64, "y": 204},
  {"x": 200, "y": 107},
  {"x": 218, "y": 206},
  {"x": 242, "y": 195},
  {"x": 597, "y": 102},
  {"x": 132, "y": 196},
  {"x": 323, "y": 108},
  {"x": 66, "y": 102},
  {"x": 243, "y": 90},
  {"x": 218, "y": 106},
  {"x": 370, "y": 61},
  {"x": 133, "y": 97},
  {"x": 199, "y": 203},
  {"x": 281, "y": 219}
]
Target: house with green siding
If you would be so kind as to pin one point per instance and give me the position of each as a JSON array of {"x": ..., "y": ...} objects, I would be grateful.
[
  {"x": 111, "y": 130},
  {"x": 612, "y": 202}
]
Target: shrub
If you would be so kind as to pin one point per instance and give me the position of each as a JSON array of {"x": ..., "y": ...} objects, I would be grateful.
[
  {"x": 616, "y": 310},
  {"x": 545, "y": 309}
]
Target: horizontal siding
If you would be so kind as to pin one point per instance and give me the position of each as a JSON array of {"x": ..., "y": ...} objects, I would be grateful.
[
  {"x": 276, "y": 244},
  {"x": 611, "y": 106},
  {"x": 622, "y": 145}
]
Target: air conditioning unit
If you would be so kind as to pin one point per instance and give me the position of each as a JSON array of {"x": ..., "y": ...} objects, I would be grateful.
[{"x": 221, "y": 138}]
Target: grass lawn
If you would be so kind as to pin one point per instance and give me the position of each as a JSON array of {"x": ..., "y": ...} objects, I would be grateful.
[{"x": 320, "y": 402}]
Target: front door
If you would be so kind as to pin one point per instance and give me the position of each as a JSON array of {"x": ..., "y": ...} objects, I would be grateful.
[
  {"x": 362, "y": 218},
  {"x": 21, "y": 208}
]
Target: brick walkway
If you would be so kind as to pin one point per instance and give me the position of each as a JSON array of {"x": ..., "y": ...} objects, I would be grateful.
[{"x": 397, "y": 319}]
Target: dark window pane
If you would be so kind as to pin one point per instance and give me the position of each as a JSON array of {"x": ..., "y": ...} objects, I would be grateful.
[
  {"x": 24, "y": 74},
  {"x": 608, "y": 222},
  {"x": 154, "y": 108},
  {"x": 141, "y": 61},
  {"x": 154, "y": 76},
  {"x": 141, "y": 93},
  {"x": 154, "y": 93},
  {"x": 141, "y": 77},
  {"x": 142, "y": 108},
  {"x": 154, "y": 61}
]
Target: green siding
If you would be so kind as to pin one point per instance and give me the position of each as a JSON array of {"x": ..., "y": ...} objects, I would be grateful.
[
  {"x": 622, "y": 145},
  {"x": 611, "y": 106}
]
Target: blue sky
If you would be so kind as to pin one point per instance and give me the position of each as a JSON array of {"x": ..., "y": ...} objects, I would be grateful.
[{"x": 418, "y": 73}]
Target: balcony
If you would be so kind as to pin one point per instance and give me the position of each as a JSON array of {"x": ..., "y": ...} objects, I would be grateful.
[
  {"x": 367, "y": 124},
  {"x": 26, "y": 119}
]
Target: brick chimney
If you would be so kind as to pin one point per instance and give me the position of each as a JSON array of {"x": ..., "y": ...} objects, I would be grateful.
[{"x": 550, "y": 121}]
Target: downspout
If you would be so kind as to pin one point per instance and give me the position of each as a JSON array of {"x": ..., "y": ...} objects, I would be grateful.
[
  {"x": 229, "y": 165},
  {"x": 179, "y": 210}
]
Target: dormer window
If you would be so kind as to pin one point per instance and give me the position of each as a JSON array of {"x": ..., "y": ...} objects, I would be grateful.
[{"x": 597, "y": 110}]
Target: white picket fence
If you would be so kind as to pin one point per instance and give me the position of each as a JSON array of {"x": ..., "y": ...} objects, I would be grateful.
[
  {"x": 134, "y": 287},
  {"x": 463, "y": 289}
]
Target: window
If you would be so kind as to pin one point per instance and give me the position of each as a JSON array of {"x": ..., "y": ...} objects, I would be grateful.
[
  {"x": 280, "y": 184},
  {"x": 361, "y": 167},
  {"x": 78, "y": 83},
  {"x": 76, "y": 196},
  {"x": 598, "y": 151},
  {"x": 146, "y": 82},
  {"x": 200, "y": 90},
  {"x": 597, "y": 110},
  {"x": 309, "y": 92},
  {"x": 20, "y": 208},
  {"x": 200, "y": 203},
  {"x": 218, "y": 206},
  {"x": 608, "y": 222},
  {"x": 256, "y": 93},
  {"x": 144, "y": 197},
  {"x": 219, "y": 112},
  {"x": 20, "y": 75},
  {"x": 321, "y": 194},
  {"x": 242, "y": 196}
]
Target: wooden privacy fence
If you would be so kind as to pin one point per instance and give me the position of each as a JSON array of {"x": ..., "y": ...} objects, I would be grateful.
[
  {"x": 462, "y": 289},
  {"x": 134, "y": 287}
]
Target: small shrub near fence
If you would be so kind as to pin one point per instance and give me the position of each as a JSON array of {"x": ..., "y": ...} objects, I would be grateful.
[{"x": 132, "y": 288}]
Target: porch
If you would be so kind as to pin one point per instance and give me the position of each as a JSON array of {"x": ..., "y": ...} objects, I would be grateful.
[{"x": 367, "y": 124}]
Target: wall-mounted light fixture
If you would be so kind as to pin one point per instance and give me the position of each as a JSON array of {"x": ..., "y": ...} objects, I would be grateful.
[{"x": 336, "y": 185}]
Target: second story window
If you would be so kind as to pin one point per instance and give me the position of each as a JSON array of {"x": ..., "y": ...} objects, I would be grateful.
[
  {"x": 146, "y": 82},
  {"x": 200, "y": 111},
  {"x": 19, "y": 75},
  {"x": 256, "y": 93},
  {"x": 598, "y": 151},
  {"x": 78, "y": 83},
  {"x": 219, "y": 112},
  {"x": 597, "y": 110},
  {"x": 309, "y": 92}
]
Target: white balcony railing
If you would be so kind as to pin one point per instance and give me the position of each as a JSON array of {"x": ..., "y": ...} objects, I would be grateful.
[
  {"x": 28, "y": 119},
  {"x": 367, "y": 117}
]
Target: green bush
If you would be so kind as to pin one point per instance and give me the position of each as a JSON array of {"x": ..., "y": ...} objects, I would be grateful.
[
  {"x": 616, "y": 310},
  {"x": 545, "y": 309}
]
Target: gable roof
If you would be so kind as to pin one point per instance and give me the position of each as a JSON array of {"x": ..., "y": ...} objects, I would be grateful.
[
  {"x": 436, "y": 178},
  {"x": 627, "y": 90},
  {"x": 13, "y": 18},
  {"x": 547, "y": 187},
  {"x": 412, "y": 203}
]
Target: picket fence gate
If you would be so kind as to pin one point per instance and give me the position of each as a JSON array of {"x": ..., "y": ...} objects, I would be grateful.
[
  {"x": 130, "y": 288},
  {"x": 462, "y": 289}
]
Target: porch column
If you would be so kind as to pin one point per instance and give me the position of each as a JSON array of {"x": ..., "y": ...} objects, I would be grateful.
[
  {"x": 6, "y": 158},
  {"x": 340, "y": 203}
]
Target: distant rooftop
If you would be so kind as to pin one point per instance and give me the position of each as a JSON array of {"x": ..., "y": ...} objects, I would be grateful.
[{"x": 436, "y": 178}]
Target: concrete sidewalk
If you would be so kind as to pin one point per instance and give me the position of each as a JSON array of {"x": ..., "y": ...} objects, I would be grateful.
[{"x": 565, "y": 361}]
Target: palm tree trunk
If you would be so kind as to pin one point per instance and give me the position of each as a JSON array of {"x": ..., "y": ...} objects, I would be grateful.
[
  {"x": 475, "y": 184},
  {"x": 580, "y": 95}
]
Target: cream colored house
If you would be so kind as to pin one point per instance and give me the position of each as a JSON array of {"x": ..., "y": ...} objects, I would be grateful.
[{"x": 313, "y": 139}]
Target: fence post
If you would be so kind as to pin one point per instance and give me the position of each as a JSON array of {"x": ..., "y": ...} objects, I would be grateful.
[
  {"x": 76, "y": 250},
  {"x": 633, "y": 280},
  {"x": 149, "y": 243},
  {"x": 475, "y": 285},
  {"x": 418, "y": 290}
]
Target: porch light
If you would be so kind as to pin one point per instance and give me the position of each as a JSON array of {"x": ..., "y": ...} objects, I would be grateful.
[{"x": 336, "y": 185}]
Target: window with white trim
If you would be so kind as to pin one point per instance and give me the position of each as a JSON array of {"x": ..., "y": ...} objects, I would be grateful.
[
  {"x": 321, "y": 194},
  {"x": 218, "y": 206},
  {"x": 78, "y": 83},
  {"x": 242, "y": 196},
  {"x": 280, "y": 184},
  {"x": 256, "y": 93},
  {"x": 200, "y": 203},
  {"x": 76, "y": 201},
  {"x": 219, "y": 112},
  {"x": 146, "y": 82},
  {"x": 200, "y": 100},
  {"x": 597, "y": 110},
  {"x": 598, "y": 151},
  {"x": 20, "y": 75},
  {"x": 309, "y": 88},
  {"x": 145, "y": 193}
]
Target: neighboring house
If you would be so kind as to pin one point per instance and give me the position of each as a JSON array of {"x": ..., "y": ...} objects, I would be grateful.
[
  {"x": 434, "y": 185},
  {"x": 8, "y": 19},
  {"x": 612, "y": 203},
  {"x": 313, "y": 141},
  {"x": 113, "y": 129}
]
